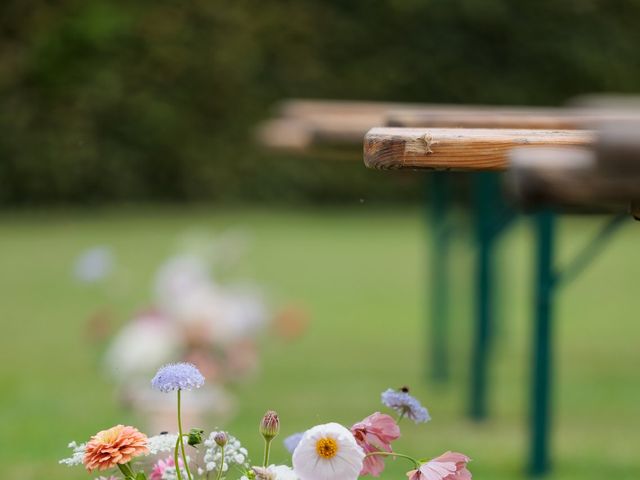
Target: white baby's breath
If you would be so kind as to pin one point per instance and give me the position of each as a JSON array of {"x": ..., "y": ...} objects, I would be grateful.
[
  {"x": 77, "y": 457},
  {"x": 162, "y": 443},
  {"x": 234, "y": 454}
]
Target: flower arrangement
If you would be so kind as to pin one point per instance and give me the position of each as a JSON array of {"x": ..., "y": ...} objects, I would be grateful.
[
  {"x": 324, "y": 452},
  {"x": 199, "y": 312}
]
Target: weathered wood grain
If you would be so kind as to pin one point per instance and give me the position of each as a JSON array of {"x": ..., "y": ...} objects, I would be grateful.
[{"x": 458, "y": 149}]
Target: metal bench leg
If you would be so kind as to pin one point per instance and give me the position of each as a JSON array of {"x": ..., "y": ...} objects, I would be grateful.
[
  {"x": 539, "y": 461},
  {"x": 486, "y": 192},
  {"x": 439, "y": 301}
]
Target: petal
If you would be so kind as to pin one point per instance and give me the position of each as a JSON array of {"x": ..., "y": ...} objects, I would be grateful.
[
  {"x": 414, "y": 475},
  {"x": 435, "y": 470},
  {"x": 452, "y": 457}
]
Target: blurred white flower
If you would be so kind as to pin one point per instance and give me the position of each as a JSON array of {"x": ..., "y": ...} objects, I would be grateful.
[
  {"x": 274, "y": 472},
  {"x": 179, "y": 275},
  {"x": 223, "y": 314},
  {"x": 143, "y": 344}
]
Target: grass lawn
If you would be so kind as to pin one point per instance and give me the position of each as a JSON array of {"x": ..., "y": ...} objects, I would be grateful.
[{"x": 361, "y": 273}]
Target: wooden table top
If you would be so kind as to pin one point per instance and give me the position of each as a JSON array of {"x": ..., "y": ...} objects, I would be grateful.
[{"x": 474, "y": 149}]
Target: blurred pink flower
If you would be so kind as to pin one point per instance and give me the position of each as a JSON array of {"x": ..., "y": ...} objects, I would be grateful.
[
  {"x": 448, "y": 466},
  {"x": 375, "y": 434},
  {"x": 160, "y": 467}
]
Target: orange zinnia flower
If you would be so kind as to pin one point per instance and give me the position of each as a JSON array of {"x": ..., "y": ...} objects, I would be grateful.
[{"x": 118, "y": 445}]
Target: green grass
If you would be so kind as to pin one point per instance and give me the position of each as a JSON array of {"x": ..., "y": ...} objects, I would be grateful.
[{"x": 361, "y": 273}]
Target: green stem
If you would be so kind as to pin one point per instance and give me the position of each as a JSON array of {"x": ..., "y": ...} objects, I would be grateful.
[
  {"x": 184, "y": 455},
  {"x": 176, "y": 459},
  {"x": 394, "y": 454},
  {"x": 219, "y": 476},
  {"x": 126, "y": 470},
  {"x": 400, "y": 417},
  {"x": 267, "y": 449}
]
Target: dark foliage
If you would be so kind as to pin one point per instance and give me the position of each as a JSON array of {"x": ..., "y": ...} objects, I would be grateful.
[{"x": 156, "y": 100}]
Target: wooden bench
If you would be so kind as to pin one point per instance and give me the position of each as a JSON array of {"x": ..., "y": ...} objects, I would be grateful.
[
  {"x": 336, "y": 128},
  {"x": 548, "y": 166}
]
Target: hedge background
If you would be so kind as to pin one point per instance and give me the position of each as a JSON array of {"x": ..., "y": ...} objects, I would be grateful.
[{"x": 115, "y": 100}]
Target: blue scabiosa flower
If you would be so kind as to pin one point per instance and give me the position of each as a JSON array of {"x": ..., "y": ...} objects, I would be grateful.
[
  {"x": 292, "y": 441},
  {"x": 177, "y": 376},
  {"x": 405, "y": 405}
]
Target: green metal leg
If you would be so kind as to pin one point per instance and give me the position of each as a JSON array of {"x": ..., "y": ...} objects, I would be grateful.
[
  {"x": 486, "y": 186},
  {"x": 438, "y": 334},
  {"x": 542, "y": 353}
]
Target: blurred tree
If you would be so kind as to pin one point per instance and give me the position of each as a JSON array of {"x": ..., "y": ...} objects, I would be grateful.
[{"x": 111, "y": 100}]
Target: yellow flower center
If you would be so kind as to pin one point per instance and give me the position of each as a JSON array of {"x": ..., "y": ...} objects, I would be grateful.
[
  {"x": 109, "y": 436},
  {"x": 327, "y": 447}
]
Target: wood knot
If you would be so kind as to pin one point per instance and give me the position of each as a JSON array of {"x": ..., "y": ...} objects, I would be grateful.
[{"x": 428, "y": 142}]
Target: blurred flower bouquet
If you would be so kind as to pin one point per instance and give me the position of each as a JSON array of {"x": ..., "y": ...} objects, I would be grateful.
[
  {"x": 324, "y": 452},
  {"x": 197, "y": 314}
]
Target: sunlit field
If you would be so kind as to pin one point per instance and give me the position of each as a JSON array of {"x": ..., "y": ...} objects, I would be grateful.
[{"x": 362, "y": 276}]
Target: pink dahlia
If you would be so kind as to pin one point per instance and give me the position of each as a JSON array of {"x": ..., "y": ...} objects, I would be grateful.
[{"x": 375, "y": 434}]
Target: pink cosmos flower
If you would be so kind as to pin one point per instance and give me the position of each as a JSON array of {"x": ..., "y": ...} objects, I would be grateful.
[
  {"x": 160, "y": 467},
  {"x": 375, "y": 434},
  {"x": 448, "y": 466}
]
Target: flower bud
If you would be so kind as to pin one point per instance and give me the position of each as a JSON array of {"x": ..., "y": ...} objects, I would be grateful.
[
  {"x": 221, "y": 439},
  {"x": 195, "y": 436},
  {"x": 262, "y": 473},
  {"x": 270, "y": 425}
]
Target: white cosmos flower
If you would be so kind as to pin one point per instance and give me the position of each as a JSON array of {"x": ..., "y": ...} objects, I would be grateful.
[{"x": 328, "y": 452}]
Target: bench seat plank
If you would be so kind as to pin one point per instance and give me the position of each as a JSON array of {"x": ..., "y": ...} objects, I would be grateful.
[{"x": 458, "y": 149}]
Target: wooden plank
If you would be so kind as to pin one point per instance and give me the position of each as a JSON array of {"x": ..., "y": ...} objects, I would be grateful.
[
  {"x": 304, "y": 124},
  {"x": 507, "y": 117},
  {"x": 284, "y": 134},
  {"x": 618, "y": 148},
  {"x": 458, "y": 149},
  {"x": 305, "y": 108},
  {"x": 547, "y": 119},
  {"x": 303, "y": 135},
  {"x": 569, "y": 178}
]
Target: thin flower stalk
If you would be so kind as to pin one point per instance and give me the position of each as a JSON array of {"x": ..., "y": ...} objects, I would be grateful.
[
  {"x": 220, "y": 467},
  {"x": 181, "y": 440}
]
